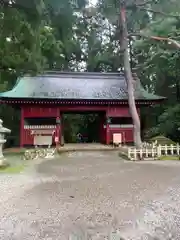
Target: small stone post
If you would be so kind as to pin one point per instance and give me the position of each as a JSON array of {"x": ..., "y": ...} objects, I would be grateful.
[{"x": 3, "y": 130}]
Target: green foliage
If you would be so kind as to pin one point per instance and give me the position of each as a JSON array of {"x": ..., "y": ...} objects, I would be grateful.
[
  {"x": 169, "y": 122},
  {"x": 162, "y": 140},
  {"x": 85, "y": 124}
]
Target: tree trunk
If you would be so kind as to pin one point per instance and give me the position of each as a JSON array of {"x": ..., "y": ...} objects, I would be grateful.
[
  {"x": 177, "y": 91},
  {"x": 128, "y": 76}
]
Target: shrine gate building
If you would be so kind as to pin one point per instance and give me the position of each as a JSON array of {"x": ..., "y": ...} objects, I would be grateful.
[{"x": 44, "y": 98}]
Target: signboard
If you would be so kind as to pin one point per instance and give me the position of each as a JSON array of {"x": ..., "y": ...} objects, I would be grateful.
[
  {"x": 42, "y": 140},
  {"x": 117, "y": 138}
]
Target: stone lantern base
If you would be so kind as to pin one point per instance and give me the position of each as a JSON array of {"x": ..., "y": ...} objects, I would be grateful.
[
  {"x": 3, "y": 131},
  {"x": 3, "y": 164}
]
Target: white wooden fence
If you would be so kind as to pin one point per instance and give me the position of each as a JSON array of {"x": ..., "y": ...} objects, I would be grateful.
[{"x": 154, "y": 152}]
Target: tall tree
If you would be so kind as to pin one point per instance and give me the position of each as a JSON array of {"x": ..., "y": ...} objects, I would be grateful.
[
  {"x": 128, "y": 10},
  {"x": 128, "y": 75}
]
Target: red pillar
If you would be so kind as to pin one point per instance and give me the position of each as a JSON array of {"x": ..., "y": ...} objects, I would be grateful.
[
  {"x": 22, "y": 128},
  {"x": 58, "y": 127},
  {"x": 101, "y": 130},
  {"x": 107, "y": 134},
  {"x": 108, "y": 130}
]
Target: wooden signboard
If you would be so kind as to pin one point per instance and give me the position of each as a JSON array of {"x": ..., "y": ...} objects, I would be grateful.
[
  {"x": 117, "y": 138},
  {"x": 42, "y": 140}
]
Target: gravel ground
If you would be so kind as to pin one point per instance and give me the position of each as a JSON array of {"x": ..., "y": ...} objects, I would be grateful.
[{"x": 92, "y": 195}]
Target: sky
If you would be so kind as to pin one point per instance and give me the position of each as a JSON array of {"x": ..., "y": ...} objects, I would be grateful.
[{"x": 93, "y": 2}]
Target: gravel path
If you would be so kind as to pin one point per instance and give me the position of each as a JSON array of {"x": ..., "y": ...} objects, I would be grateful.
[{"x": 92, "y": 194}]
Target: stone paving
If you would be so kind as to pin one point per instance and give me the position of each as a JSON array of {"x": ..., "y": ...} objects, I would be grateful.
[{"x": 92, "y": 195}]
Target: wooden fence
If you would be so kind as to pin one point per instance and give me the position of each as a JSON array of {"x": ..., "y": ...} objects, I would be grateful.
[{"x": 154, "y": 152}]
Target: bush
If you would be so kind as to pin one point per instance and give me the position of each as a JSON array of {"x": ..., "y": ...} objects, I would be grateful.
[
  {"x": 169, "y": 122},
  {"x": 162, "y": 140}
]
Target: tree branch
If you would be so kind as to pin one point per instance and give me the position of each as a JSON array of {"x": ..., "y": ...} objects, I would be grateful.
[
  {"x": 143, "y": 3},
  {"x": 140, "y": 6},
  {"x": 158, "y": 12},
  {"x": 15, "y": 5},
  {"x": 169, "y": 41},
  {"x": 157, "y": 38}
]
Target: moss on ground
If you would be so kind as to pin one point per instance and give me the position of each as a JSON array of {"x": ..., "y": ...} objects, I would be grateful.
[
  {"x": 15, "y": 163},
  {"x": 13, "y": 169},
  {"x": 175, "y": 158},
  {"x": 13, "y": 152}
]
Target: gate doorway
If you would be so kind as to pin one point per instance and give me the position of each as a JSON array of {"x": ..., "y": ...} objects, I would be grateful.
[{"x": 83, "y": 127}]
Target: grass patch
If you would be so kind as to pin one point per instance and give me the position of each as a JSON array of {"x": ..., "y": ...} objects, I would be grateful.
[
  {"x": 175, "y": 158},
  {"x": 14, "y": 151},
  {"x": 12, "y": 154},
  {"x": 13, "y": 169},
  {"x": 15, "y": 163}
]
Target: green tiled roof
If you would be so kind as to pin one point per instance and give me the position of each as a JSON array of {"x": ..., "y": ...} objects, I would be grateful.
[{"x": 82, "y": 86}]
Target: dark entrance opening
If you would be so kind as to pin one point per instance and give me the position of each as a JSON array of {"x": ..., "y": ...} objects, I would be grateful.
[{"x": 82, "y": 127}]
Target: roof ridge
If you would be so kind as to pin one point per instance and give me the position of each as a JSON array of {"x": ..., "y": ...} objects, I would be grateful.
[
  {"x": 50, "y": 73},
  {"x": 83, "y": 75},
  {"x": 75, "y": 74},
  {"x": 78, "y": 72}
]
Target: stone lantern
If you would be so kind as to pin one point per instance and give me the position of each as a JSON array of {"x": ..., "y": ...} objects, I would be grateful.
[{"x": 3, "y": 131}]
